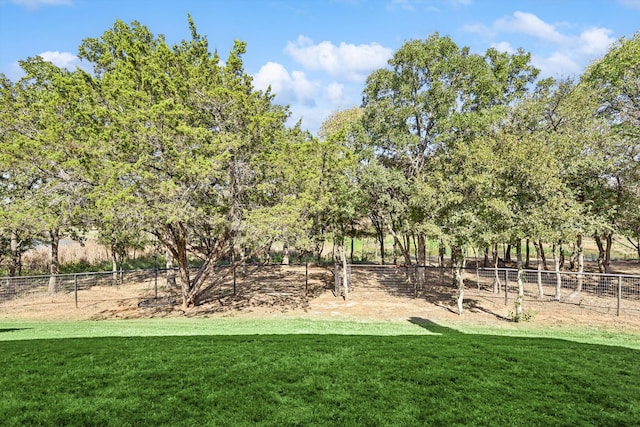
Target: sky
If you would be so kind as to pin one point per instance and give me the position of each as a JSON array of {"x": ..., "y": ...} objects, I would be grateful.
[{"x": 317, "y": 54}]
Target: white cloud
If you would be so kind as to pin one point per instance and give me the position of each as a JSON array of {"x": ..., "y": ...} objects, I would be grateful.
[
  {"x": 557, "y": 65},
  {"x": 35, "y": 4},
  {"x": 528, "y": 23},
  {"x": 564, "y": 50},
  {"x": 633, "y": 4},
  {"x": 591, "y": 41},
  {"x": 402, "y": 4},
  {"x": 479, "y": 29},
  {"x": 595, "y": 41},
  {"x": 347, "y": 61},
  {"x": 289, "y": 88},
  {"x": 503, "y": 47},
  {"x": 335, "y": 94},
  {"x": 61, "y": 59}
]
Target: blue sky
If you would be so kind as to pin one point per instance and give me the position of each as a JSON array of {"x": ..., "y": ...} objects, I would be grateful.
[{"x": 316, "y": 54}]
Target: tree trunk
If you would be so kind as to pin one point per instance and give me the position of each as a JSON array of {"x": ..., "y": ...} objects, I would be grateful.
[
  {"x": 352, "y": 249},
  {"x": 580, "y": 258},
  {"x": 54, "y": 261},
  {"x": 607, "y": 253},
  {"x": 601, "y": 254},
  {"x": 573, "y": 257},
  {"x": 16, "y": 258},
  {"x": 496, "y": 277},
  {"x": 537, "y": 247},
  {"x": 520, "y": 297},
  {"x": 556, "y": 265},
  {"x": 544, "y": 258},
  {"x": 171, "y": 274},
  {"x": 114, "y": 263},
  {"x": 636, "y": 245},
  {"x": 405, "y": 252},
  {"x": 457, "y": 254},
  {"x": 285, "y": 253},
  {"x": 395, "y": 253},
  {"x": 507, "y": 253},
  {"x": 345, "y": 273},
  {"x": 441, "y": 252},
  {"x": 180, "y": 255},
  {"x": 422, "y": 261},
  {"x": 341, "y": 279},
  {"x": 528, "y": 253},
  {"x": 485, "y": 261}
]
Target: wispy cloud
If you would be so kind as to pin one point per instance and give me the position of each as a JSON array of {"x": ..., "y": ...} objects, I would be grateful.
[
  {"x": 633, "y": 4},
  {"x": 36, "y": 4},
  {"x": 412, "y": 5},
  {"x": 566, "y": 50},
  {"x": 528, "y": 23}
]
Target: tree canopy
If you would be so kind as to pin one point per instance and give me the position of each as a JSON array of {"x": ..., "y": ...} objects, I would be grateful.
[{"x": 173, "y": 146}]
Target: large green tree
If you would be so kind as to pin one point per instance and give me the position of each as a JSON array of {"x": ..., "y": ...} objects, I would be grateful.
[
  {"x": 183, "y": 142},
  {"x": 44, "y": 118},
  {"x": 434, "y": 99},
  {"x": 435, "y": 92},
  {"x": 616, "y": 80}
]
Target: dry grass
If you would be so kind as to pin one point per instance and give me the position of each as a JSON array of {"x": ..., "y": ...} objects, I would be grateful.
[{"x": 89, "y": 252}]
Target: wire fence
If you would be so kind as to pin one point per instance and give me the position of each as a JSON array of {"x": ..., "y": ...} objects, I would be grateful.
[
  {"x": 263, "y": 284},
  {"x": 289, "y": 284},
  {"x": 29, "y": 286},
  {"x": 606, "y": 292}
]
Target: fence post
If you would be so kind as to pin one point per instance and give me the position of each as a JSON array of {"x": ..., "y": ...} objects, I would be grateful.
[
  {"x": 155, "y": 275},
  {"x": 619, "y": 294},
  {"x": 306, "y": 277},
  {"x": 75, "y": 288},
  {"x": 234, "y": 279},
  {"x": 506, "y": 287}
]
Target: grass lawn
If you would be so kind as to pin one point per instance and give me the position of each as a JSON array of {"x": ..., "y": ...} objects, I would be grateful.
[{"x": 193, "y": 372}]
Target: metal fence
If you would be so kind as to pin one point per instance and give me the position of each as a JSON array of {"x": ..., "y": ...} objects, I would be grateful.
[
  {"x": 607, "y": 292},
  {"x": 266, "y": 283},
  {"x": 269, "y": 284},
  {"x": 26, "y": 286}
]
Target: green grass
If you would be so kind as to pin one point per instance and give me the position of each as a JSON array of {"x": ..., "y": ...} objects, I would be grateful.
[{"x": 231, "y": 372}]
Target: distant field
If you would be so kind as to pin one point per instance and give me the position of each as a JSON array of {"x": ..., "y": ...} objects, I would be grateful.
[
  {"x": 301, "y": 372},
  {"x": 92, "y": 256}
]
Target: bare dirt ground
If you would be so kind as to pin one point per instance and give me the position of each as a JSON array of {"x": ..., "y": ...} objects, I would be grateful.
[{"x": 283, "y": 294}]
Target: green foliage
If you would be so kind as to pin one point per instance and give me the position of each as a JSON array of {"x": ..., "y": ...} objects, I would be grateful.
[
  {"x": 525, "y": 316},
  {"x": 188, "y": 141},
  {"x": 172, "y": 146},
  {"x": 615, "y": 78},
  {"x": 430, "y": 117}
]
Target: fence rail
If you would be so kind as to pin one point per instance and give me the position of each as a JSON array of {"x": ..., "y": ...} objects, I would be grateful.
[
  {"x": 24, "y": 286},
  {"x": 609, "y": 292},
  {"x": 260, "y": 282}
]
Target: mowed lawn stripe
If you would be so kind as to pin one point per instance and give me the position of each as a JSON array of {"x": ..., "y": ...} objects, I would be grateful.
[{"x": 448, "y": 379}]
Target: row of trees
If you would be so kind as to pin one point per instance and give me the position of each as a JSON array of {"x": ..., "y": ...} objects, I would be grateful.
[{"x": 173, "y": 145}]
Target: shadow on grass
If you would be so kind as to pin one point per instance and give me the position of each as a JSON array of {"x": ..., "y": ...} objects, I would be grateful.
[
  {"x": 13, "y": 329},
  {"x": 433, "y": 327}
]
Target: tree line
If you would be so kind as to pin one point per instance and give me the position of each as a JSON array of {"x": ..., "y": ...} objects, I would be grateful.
[{"x": 173, "y": 145}]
